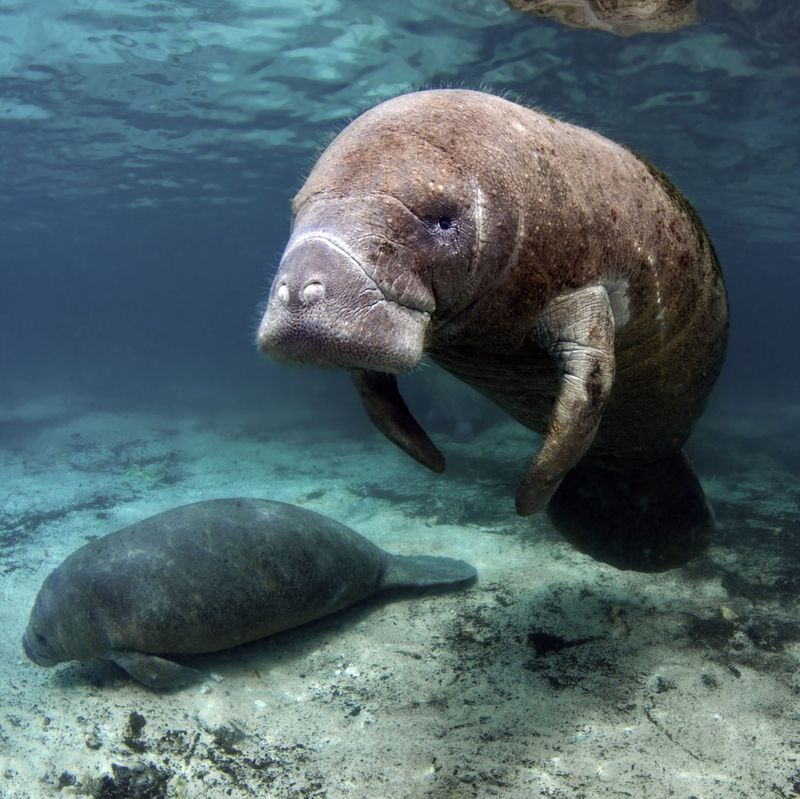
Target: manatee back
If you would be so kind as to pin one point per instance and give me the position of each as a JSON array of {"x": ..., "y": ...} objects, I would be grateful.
[
  {"x": 591, "y": 212},
  {"x": 204, "y": 577}
]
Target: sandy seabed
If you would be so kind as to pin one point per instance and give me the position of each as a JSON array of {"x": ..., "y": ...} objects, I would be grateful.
[{"x": 551, "y": 676}]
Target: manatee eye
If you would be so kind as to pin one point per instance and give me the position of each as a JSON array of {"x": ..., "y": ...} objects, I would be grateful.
[{"x": 442, "y": 223}]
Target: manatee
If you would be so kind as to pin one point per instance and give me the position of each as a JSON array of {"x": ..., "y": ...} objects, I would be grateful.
[
  {"x": 623, "y": 17},
  {"x": 210, "y": 576},
  {"x": 556, "y": 272}
]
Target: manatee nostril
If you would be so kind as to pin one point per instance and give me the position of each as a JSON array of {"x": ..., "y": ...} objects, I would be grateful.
[
  {"x": 283, "y": 293},
  {"x": 312, "y": 292}
]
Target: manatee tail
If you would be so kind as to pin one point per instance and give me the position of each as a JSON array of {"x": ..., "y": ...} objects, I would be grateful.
[
  {"x": 648, "y": 517},
  {"x": 405, "y": 571}
]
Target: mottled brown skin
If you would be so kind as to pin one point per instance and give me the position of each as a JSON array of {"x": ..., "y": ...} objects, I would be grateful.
[
  {"x": 462, "y": 226},
  {"x": 623, "y": 17}
]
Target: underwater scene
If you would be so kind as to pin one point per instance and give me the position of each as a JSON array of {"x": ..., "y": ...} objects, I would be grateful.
[{"x": 399, "y": 399}]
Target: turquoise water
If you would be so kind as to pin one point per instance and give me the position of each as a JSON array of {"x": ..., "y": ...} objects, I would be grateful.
[{"x": 149, "y": 152}]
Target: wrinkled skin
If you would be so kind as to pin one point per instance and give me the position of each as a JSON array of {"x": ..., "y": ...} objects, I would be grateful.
[{"x": 554, "y": 271}]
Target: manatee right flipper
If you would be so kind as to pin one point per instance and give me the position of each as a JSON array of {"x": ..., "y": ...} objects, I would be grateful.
[
  {"x": 645, "y": 516},
  {"x": 153, "y": 671},
  {"x": 408, "y": 571},
  {"x": 390, "y": 414}
]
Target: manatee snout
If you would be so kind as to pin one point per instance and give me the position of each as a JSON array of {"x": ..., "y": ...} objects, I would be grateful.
[
  {"x": 43, "y": 639},
  {"x": 37, "y": 649},
  {"x": 325, "y": 309},
  {"x": 310, "y": 269}
]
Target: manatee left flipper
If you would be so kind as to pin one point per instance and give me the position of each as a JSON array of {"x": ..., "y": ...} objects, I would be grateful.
[
  {"x": 153, "y": 671},
  {"x": 390, "y": 414},
  {"x": 577, "y": 329}
]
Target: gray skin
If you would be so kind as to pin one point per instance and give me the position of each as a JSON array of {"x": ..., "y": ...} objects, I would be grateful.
[
  {"x": 553, "y": 270},
  {"x": 206, "y": 577}
]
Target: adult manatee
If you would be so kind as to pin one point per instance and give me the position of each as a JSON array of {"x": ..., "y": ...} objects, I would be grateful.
[{"x": 553, "y": 270}]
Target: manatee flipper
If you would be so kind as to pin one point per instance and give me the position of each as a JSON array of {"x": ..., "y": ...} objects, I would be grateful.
[
  {"x": 390, "y": 414},
  {"x": 406, "y": 571},
  {"x": 649, "y": 517},
  {"x": 577, "y": 329},
  {"x": 153, "y": 671}
]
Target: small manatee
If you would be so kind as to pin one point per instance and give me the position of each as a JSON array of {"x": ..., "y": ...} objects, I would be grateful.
[{"x": 209, "y": 576}]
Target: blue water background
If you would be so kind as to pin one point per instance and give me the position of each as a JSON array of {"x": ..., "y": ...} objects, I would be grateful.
[{"x": 149, "y": 153}]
